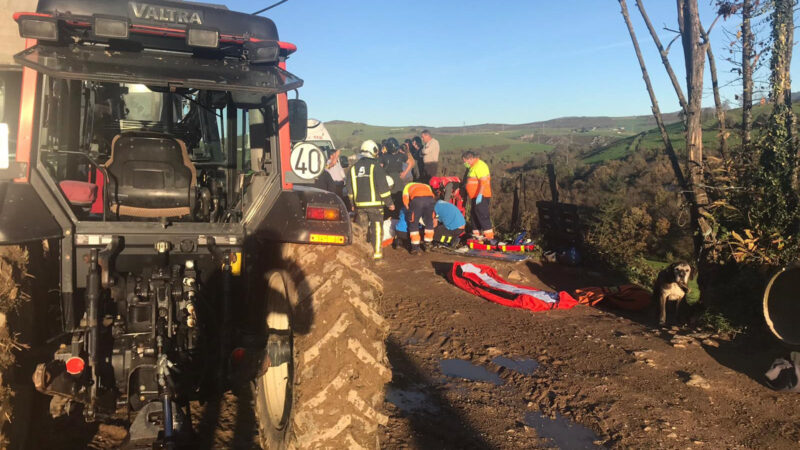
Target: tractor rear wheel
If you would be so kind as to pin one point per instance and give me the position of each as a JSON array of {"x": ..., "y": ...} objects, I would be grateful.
[{"x": 322, "y": 311}]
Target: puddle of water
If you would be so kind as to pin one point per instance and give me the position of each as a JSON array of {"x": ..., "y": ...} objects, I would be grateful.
[
  {"x": 563, "y": 432},
  {"x": 410, "y": 401},
  {"x": 459, "y": 368},
  {"x": 523, "y": 366}
]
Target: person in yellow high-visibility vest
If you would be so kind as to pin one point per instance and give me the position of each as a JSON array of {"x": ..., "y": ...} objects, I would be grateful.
[{"x": 479, "y": 190}]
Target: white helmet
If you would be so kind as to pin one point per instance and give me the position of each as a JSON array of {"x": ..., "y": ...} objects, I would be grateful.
[{"x": 369, "y": 148}]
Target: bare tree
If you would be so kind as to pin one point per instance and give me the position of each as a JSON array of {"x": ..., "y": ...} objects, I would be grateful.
[
  {"x": 783, "y": 42},
  {"x": 712, "y": 67},
  {"x": 694, "y": 51},
  {"x": 673, "y": 158},
  {"x": 748, "y": 41}
]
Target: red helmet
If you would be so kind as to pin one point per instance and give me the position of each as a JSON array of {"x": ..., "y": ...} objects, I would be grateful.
[{"x": 435, "y": 182}]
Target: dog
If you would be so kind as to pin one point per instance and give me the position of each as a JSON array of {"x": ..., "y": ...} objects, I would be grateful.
[{"x": 672, "y": 284}]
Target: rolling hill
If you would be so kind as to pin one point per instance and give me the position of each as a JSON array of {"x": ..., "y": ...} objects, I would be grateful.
[{"x": 607, "y": 138}]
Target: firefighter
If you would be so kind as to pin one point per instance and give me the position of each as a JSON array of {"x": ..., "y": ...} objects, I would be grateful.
[
  {"x": 479, "y": 189},
  {"x": 418, "y": 198},
  {"x": 368, "y": 190}
]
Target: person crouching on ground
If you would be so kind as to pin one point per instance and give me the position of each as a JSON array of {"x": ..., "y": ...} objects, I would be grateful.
[
  {"x": 401, "y": 238},
  {"x": 448, "y": 224},
  {"x": 368, "y": 191},
  {"x": 419, "y": 200},
  {"x": 479, "y": 190}
]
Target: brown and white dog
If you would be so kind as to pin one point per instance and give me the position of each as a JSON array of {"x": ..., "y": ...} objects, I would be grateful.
[{"x": 672, "y": 284}]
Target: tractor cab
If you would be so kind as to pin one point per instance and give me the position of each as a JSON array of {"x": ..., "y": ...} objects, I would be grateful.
[{"x": 140, "y": 123}]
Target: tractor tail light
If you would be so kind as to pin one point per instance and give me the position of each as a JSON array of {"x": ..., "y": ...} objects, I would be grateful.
[
  {"x": 317, "y": 213},
  {"x": 75, "y": 365}
]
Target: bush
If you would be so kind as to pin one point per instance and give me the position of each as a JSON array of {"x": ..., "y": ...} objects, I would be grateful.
[{"x": 618, "y": 238}]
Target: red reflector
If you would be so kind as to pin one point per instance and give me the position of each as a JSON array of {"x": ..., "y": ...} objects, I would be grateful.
[
  {"x": 75, "y": 365},
  {"x": 237, "y": 355},
  {"x": 316, "y": 213}
]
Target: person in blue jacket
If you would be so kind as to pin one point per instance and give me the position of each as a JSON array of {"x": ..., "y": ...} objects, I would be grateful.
[
  {"x": 448, "y": 225},
  {"x": 401, "y": 237}
]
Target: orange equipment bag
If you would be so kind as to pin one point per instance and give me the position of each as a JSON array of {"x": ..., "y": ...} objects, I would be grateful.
[{"x": 628, "y": 297}]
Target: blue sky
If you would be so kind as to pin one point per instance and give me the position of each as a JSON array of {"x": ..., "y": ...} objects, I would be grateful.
[{"x": 446, "y": 62}]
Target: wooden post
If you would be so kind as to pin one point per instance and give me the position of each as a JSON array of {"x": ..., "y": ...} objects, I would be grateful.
[
  {"x": 516, "y": 208},
  {"x": 551, "y": 174}
]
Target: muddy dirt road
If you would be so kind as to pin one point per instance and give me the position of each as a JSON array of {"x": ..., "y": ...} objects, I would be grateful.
[
  {"x": 470, "y": 374},
  {"x": 581, "y": 378}
]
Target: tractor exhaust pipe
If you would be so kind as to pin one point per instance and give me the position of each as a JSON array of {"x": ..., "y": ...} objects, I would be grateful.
[
  {"x": 782, "y": 304},
  {"x": 92, "y": 318}
]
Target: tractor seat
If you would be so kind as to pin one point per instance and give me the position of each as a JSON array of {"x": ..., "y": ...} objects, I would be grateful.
[
  {"x": 79, "y": 193},
  {"x": 151, "y": 176}
]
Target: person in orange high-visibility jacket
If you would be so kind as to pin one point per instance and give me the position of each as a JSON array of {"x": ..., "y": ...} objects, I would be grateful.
[
  {"x": 420, "y": 201},
  {"x": 479, "y": 190}
]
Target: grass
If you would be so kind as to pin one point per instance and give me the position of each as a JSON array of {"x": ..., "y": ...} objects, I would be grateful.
[
  {"x": 650, "y": 139},
  {"x": 503, "y": 145}
]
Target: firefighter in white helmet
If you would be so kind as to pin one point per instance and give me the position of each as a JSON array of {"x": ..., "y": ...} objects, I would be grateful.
[{"x": 369, "y": 193}]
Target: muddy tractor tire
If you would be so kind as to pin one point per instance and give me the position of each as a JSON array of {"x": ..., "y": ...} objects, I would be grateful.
[{"x": 331, "y": 393}]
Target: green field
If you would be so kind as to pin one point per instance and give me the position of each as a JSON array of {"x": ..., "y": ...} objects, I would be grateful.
[
  {"x": 515, "y": 144},
  {"x": 651, "y": 138},
  {"x": 505, "y": 145}
]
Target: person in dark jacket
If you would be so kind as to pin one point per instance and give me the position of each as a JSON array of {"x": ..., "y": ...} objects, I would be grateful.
[
  {"x": 393, "y": 163},
  {"x": 368, "y": 190},
  {"x": 416, "y": 152}
]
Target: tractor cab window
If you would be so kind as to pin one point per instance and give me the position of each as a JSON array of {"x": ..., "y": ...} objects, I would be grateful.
[{"x": 180, "y": 153}]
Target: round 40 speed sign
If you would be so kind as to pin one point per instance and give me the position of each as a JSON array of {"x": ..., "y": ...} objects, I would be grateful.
[{"x": 308, "y": 161}]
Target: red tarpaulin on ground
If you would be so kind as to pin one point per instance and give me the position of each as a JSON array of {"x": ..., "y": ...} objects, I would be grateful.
[
  {"x": 485, "y": 282},
  {"x": 628, "y": 296}
]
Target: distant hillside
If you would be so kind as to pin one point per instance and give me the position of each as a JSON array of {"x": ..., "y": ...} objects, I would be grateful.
[{"x": 609, "y": 137}]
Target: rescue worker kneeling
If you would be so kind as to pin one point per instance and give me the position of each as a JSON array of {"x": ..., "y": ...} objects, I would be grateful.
[
  {"x": 369, "y": 192},
  {"x": 418, "y": 198},
  {"x": 449, "y": 224}
]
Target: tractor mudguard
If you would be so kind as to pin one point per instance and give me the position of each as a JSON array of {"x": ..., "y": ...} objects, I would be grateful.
[
  {"x": 286, "y": 220},
  {"x": 23, "y": 215}
]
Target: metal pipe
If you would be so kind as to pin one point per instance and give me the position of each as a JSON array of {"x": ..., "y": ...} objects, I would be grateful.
[
  {"x": 92, "y": 322},
  {"x": 225, "y": 340}
]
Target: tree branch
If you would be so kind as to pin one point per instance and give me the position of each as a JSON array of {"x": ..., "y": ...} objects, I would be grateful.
[{"x": 672, "y": 77}]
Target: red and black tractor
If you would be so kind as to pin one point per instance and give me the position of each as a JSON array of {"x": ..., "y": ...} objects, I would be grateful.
[{"x": 154, "y": 151}]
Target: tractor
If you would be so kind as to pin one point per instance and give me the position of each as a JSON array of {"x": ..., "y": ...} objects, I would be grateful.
[{"x": 154, "y": 155}]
